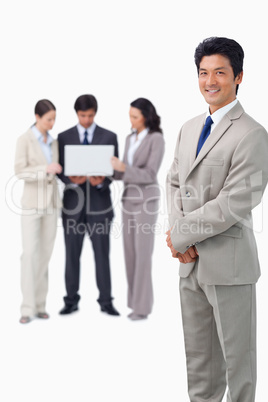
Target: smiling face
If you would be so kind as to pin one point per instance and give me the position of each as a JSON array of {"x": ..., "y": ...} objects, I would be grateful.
[{"x": 217, "y": 82}]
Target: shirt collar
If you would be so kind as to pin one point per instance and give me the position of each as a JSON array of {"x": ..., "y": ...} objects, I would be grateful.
[
  {"x": 90, "y": 129},
  {"x": 220, "y": 113},
  {"x": 39, "y": 136},
  {"x": 141, "y": 135}
]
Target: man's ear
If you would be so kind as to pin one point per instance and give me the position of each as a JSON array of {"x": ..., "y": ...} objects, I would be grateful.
[{"x": 238, "y": 78}]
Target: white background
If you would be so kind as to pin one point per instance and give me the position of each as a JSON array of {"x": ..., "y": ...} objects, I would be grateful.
[{"x": 117, "y": 50}]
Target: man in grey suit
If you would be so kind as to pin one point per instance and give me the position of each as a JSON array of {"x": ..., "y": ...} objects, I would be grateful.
[{"x": 218, "y": 176}]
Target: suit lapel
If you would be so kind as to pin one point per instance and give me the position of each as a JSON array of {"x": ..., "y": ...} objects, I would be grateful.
[
  {"x": 37, "y": 148},
  {"x": 139, "y": 151},
  {"x": 125, "y": 158},
  {"x": 97, "y": 137},
  {"x": 215, "y": 136},
  {"x": 54, "y": 148},
  {"x": 75, "y": 139},
  {"x": 193, "y": 139}
]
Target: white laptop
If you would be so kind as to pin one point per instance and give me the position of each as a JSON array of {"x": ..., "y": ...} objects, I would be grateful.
[{"x": 88, "y": 160}]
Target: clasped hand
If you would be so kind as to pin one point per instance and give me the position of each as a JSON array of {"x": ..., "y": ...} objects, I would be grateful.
[
  {"x": 190, "y": 255},
  {"x": 94, "y": 180}
]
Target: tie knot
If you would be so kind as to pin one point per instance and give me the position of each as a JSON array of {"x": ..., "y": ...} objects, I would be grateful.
[
  {"x": 86, "y": 134},
  {"x": 209, "y": 121}
]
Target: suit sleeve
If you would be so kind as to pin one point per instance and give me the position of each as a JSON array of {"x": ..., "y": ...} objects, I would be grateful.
[
  {"x": 173, "y": 192},
  {"x": 22, "y": 167},
  {"x": 242, "y": 191},
  {"x": 147, "y": 174},
  {"x": 61, "y": 144},
  {"x": 107, "y": 181}
]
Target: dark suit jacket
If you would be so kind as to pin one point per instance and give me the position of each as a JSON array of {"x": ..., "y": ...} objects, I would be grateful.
[{"x": 94, "y": 202}]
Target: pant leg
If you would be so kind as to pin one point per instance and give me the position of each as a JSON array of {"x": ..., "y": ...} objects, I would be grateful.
[
  {"x": 235, "y": 314},
  {"x": 205, "y": 361},
  {"x": 48, "y": 229},
  {"x": 74, "y": 232},
  {"x": 129, "y": 251},
  {"x": 144, "y": 244},
  {"x": 99, "y": 233},
  {"x": 30, "y": 230},
  {"x": 139, "y": 248}
]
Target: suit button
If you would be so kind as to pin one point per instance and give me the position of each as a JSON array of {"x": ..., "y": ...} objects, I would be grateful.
[{"x": 188, "y": 194}]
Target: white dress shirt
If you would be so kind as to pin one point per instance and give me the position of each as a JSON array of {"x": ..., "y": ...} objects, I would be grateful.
[
  {"x": 81, "y": 131},
  {"x": 135, "y": 141},
  {"x": 220, "y": 113},
  {"x": 90, "y": 130},
  {"x": 45, "y": 146}
]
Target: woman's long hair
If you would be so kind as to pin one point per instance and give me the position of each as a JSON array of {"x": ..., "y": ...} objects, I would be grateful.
[{"x": 152, "y": 120}]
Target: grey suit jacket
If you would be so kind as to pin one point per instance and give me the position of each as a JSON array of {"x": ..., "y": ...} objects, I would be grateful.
[
  {"x": 40, "y": 189},
  {"x": 140, "y": 179},
  {"x": 211, "y": 196}
]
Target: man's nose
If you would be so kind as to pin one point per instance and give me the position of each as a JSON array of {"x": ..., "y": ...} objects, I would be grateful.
[{"x": 211, "y": 79}]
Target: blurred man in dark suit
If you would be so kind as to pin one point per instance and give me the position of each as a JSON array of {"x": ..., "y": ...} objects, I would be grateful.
[{"x": 87, "y": 208}]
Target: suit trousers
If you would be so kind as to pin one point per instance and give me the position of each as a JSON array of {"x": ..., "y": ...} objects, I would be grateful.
[
  {"x": 99, "y": 234},
  {"x": 38, "y": 237},
  {"x": 219, "y": 324},
  {"x": 138, "y": 238}
]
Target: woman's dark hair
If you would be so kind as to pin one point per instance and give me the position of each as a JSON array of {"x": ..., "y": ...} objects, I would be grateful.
[
  {"x": 43, "y": 106},
  {"x": 152, "y": 120},
  {"x": 228, "y": 48},
  {"x": 85, "y": 102}
]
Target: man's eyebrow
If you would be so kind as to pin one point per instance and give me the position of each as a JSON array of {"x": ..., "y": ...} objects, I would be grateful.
[{"x": 218, "y": 68}]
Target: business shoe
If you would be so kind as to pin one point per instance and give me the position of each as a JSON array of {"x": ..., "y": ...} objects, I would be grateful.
[
  {"x": 109, "y": 309},
  {"x": 136, "y": 317},
  {"x": 25, "y": 320},
  {"x": 68, "y": 309},
  {"x": 44, "y": 316}
]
